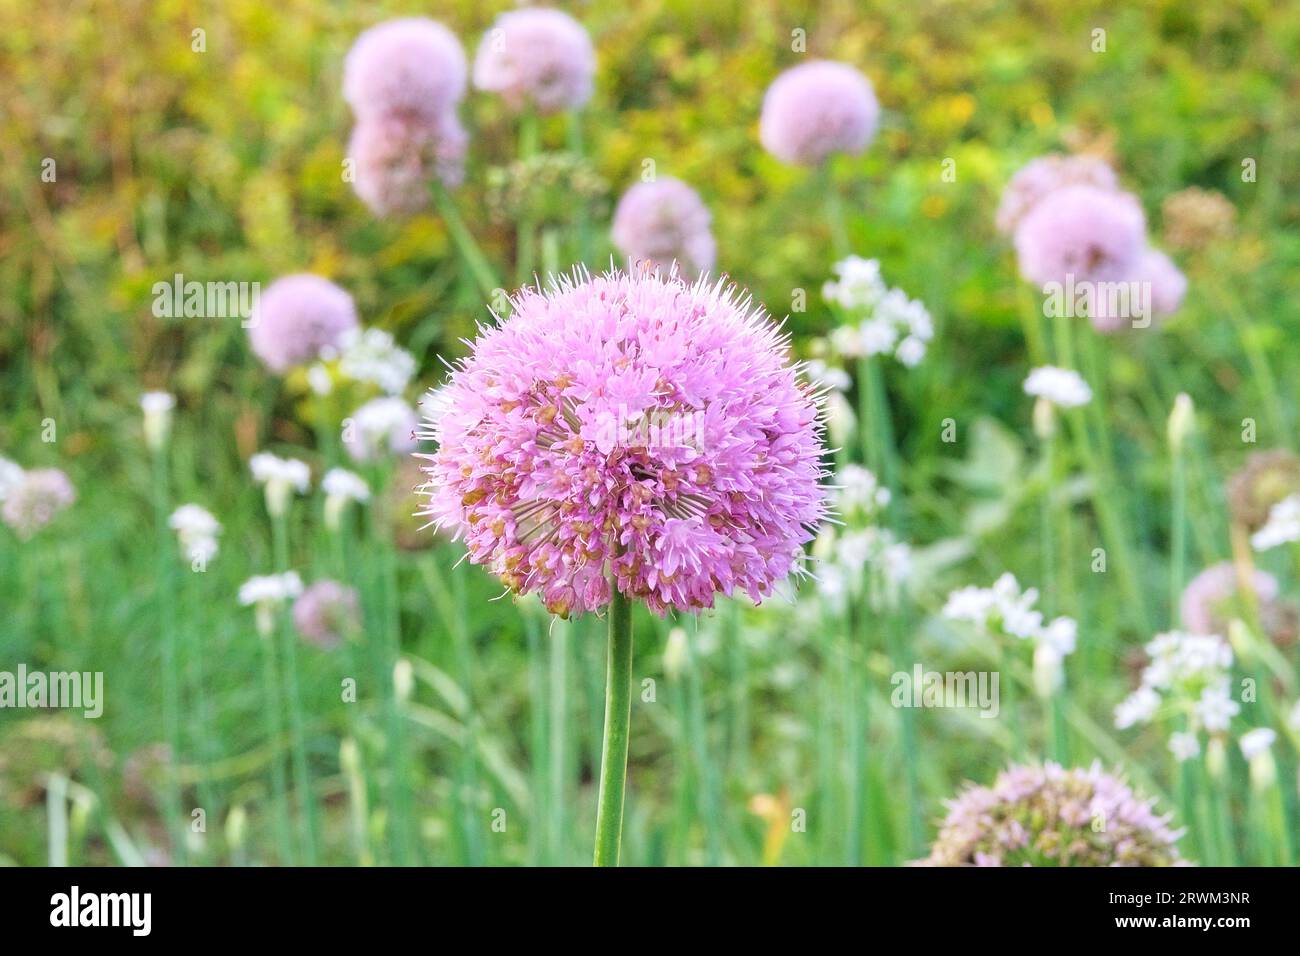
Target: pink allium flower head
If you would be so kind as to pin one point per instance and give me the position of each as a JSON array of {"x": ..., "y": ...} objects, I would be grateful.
[
  {"x": 537, "y": 57},
  {"x": 33, "y": 502},
  {"x": 663, "y": 222},
  {"x": 413, "y": 67},
  {"x": 396, "y": 156},
  {"x": 1045, "y": 175},
  {"x": 1157, "y": 277},
  {"x": 1043, "y": 816},
  {"x": 636, "y": 425},
  {"x": 1092, "y": 234},
  {"x": 296, "y": 316},
  {"x": 325, "y": 613},
  {"x": 815, "y": 109},
  {"x": 1212, "y": 597}
]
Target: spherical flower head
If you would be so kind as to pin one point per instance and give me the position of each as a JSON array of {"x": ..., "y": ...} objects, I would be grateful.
[
  {"x": 815, "y": 109},
  {"x": 1196, "y": 218},
  {"x": 1045, "y": 175},
  {"x": 1092, "y": 234},
  {"x": 296, "y": 317},
  {"x": 1266, "y": 479},
  {"x": 34, "y": 501},
  {"x": 325, "y": 613},
  {"x": 380, "y": 427},
  {"x": 633, "y": 427},
  {"x": 396, "y": 156},
  {"x": 1213, "y": 597},
  {"x": 412, "y": 66},
  {"x": 537, "y": 58},
  {"x": 1160, "y": 284},
  {"x": 664, "y": 222},
  {"x": 1050, "y": 816}
]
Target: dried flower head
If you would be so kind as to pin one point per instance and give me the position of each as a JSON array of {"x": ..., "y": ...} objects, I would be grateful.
[
  {"x": 1196, "y": 218},
  {"x": 1050, "y": 816},
  {"x": 1265, "y": 479},
  {"x": 815, "y": 109},
  {"x": 412, "y": 66},
  {"x": 1045, "y": 175},
  {"x": 33, "y": 502},
  {"x": 546, "y": 188},
  {"x": 537, "y": 58},
  {"x": 298, "y": 316},
  {"x": 662, "y": 222},
  {"x": 325, "y": 613},
  {"x": 633, "y": 427}
]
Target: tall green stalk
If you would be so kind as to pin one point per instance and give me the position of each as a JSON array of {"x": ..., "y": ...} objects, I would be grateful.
[
  {"x": 468, "y": 248},
  {"x": 171, "y": 684},
  {"x": 289, "y": 645},
  {"x": 618, "y": 715}
]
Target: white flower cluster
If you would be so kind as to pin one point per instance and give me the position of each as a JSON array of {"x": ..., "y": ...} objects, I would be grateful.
[
  {"x": 1063, "y": 387},
  {"x": 280, "y": 476},
  {"x": 844, "y": 556},
  {"x": 11, "y": 476},
  {"x": 373, "y": 356},
  {"x": 265, "y": 593},
  {"x": 197, "y": 530},
  {"x": 340, "y": 487},
  {"x": 1191, "y": 671},
  {"x": 825, "y": 376},
  {"x": 890, "y": 323},
  {"x": 1282, "y": 526},
  {"x": 860, "y": 493},
  {"x": 380, "y": 426}
]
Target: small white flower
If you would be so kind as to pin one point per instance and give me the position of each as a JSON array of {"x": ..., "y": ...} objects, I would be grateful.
[
  {"x": 846, "y": 341},
  {"x": 1137, "y": 708},
  {"x": 281, "y": 477},
  {"x": 1216, "y": 708},
  {"x": 828, "y": 376},
  {"x": 1255, "y": 743},
  {"x": 1184, "y": 746},
  {"x": 373, "y": 356},
  {"x": 266, "y": 593},
  {"x": 1062, "y": 387},
  {"x": 341, "y": 486},
  {"x": 319, "y": 381},
  {"x": 157, "y": 408},
  {"x": 11, "y": 476},
  {"x": 379, "y": 426},
  {"x": 197, "y": 531},
  {"x": 1282, "y": 526},
  {"x": 1060, "y": 635},
  {"x": 910, "y": 351}
]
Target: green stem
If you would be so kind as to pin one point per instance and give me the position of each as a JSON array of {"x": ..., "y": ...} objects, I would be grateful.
[
  {"x": 576, "y": 147},
  {"x": 301, "y": 771},
  {"x": 469, "y": 250},
  {"x": 275, "y": 739},
  {"x": 834, "y": 213},
  {"x": 618, "y": 714},
  {"x": 166, "y": 556}
]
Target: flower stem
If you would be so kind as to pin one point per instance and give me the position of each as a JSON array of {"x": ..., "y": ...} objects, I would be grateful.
[
  {"x": 170, "y": 669},
  {"x": 618, "y": 713},
  {"x": 469, "y": 250}
]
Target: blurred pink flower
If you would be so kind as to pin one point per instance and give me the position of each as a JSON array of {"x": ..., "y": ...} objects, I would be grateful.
[
  {"x": 536, "y": 57},
  {"x": 297, "y": 316},
  {"x": 325, "y": 613},
  {"x": 35, "y": 499},
  {"x": 397, "y": 157},
  {"x": 662, "y": 222},
  {"x": 815, "y": 109},
  {"x": 1082, "y": 231},
  {"x": 411, "y": 66}
]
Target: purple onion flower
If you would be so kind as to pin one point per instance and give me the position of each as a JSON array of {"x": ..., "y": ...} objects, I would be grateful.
[
  {"x": 633, "y": 428},
  {"x": 325, "y": 613},
  {"x": 1050, "y": 816},
  {"x": 1092, "y": 234},
  {"x": 1045, "y": 175},
  {"x": 296, "y": 317},
  {"x": 538, "y": 58},
  {"x": 413, "y": 67},
  {"x": 35, "y": 499},
  {"x": 397, "y": 156},
  {"x": 815, "y": 109},
  {"x": 662, "y": 222}
]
